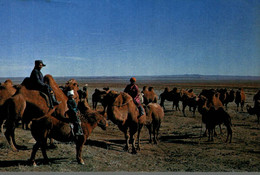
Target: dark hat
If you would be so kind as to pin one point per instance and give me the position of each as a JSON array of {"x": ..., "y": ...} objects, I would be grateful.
[{"x": 37, "y": 62}]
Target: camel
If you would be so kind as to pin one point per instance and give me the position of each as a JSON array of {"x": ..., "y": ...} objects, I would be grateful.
[
  {"x": 122, "y": 111},
  {"x": 154, "y": 117},
  {"x": 212, "y": 97},
  {"x": 240, "y": 98},
  {"x": 230, "y": 96},
  {"x": 7, "y": 90},
  {"x": 255, "y": 110},
  {"x": 83, "y": 94},
  {"x": 27, "y": 104},
  {"x": 212, "y": 116},
  {"x": 188, "y": 98},
  {"x": 149, "y": 95},
  {"x": 51, "y": 127},
  {"x": 173, "y": 96},
  {"x": 98, "y": 96}
]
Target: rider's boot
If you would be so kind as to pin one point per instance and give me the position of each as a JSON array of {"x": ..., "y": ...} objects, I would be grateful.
[
  {"x": 141, "y": 111},
  {"x": 78, "y": 129},
  {"x": 54, "y": 100}
]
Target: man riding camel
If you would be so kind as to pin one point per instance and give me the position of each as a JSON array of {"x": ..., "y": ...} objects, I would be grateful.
[
  {"x": 37, "y": 83},
  {"x": 133, "y": 91}
]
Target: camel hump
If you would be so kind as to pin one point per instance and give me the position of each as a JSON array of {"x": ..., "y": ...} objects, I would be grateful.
[{"x": 27, "y": 83}]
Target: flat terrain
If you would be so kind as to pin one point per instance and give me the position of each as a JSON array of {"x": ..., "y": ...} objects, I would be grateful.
[{"x": 181, "y": 148}]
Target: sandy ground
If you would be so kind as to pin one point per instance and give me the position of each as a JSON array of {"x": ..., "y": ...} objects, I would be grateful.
[{"x": 181, "y": 148}]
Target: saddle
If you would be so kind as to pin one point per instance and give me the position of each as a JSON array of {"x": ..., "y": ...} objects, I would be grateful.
[{"x": 47, "y": 99}]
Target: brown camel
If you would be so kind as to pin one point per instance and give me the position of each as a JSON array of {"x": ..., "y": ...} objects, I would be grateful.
[
  {"x": 51, "y": 127},
  {"x": 7, "y": 90},
  {"x": 154, "y": 117},
  {"x": 28, "y": 104},
  {"x": 149, "y": 95},
  {"x": 122, "y": 111}
]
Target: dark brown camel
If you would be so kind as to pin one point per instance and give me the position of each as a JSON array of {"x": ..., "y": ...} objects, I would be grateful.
[
  {"x": 188, "y": 98},
  {"x": 240, "y": 98},
  {"x": 98, "y": 96},
  {"x": 122, "y": 111},
  {"x": 28, "y": 104},
  {"x": 213, "y": 115},
  {"x": 50, "y": 127},
  {"x": 255, "y": 110},
  {"x": 230, "y": 96},
  {"x": 173, "y": 95}
]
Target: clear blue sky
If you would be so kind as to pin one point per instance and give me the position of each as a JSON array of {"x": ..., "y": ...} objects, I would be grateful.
[{"x": 130, "y": 37}]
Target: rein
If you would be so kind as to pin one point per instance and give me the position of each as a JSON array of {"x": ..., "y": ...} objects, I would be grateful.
[{"x": 124, "y": 103}]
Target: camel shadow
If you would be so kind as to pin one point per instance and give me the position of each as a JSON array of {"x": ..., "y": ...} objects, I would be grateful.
[
  {"x": 96, "y": 143},
  {"x": 115, "y": 145},
  {"x": 182, "y": 139},
  {"x": 168, "y": 110},
  {"x": 107, "y": 144},
  {"x": 11, "y": 163}
]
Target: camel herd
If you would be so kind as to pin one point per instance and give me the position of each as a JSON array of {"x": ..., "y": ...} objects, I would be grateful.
[{"x": 18, "y": 102}]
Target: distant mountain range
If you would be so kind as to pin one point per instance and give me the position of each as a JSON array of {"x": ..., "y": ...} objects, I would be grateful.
[{"x": 123, "y": 79}]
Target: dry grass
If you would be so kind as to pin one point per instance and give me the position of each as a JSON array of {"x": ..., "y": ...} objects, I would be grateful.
[{"x": 181, "y": 146}]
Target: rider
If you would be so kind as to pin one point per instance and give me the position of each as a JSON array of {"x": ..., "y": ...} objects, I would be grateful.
[
  {"x": 37, "y": 83},
  {"x": 73, "y": 113},
  {"x": 133, "y": 91}
]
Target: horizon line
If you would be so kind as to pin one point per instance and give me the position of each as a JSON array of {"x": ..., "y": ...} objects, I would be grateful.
[{"x": 195, "y": 75}]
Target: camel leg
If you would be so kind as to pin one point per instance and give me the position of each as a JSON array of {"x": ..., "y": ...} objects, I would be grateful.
[
  {"x": 211, "y": 134},
  {"x": 2, "y": 126},
  {"x": 9, "y": 134},
  {"x": 51, "y": 144},
  {"x": 126, "y": 140},
  {"x": 229, "y": 131},
  {"x": 205, "y": 133},
  {"x": 10, "y": 140},
  {"x": 242, "y": 106},
  {"x": 132, "y": 141},
  {"x": 138, "y": 136},
  {"x": 154, "y": 134},
  {"x": 157, "y": 133},
  {"x": 94, "y": 105},
  {"x": 220, "y": 130},
  {"x": 226, "y": 106},
  {"x": 44, "y": 153},
  {"x": 162, "y": 104},
  {"x": 150, "y": 133},
  {"x": 79, "y": 145},
  {"x": 183, "y": 109},
  {"x": 194, "y": 110},
  {"x": 36, "y": 146}
]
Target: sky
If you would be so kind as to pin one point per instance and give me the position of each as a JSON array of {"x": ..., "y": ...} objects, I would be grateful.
[{"x": 130, "y": 37}]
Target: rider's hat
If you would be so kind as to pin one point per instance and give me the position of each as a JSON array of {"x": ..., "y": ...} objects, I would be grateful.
[
  {"x": 70, "y": 93},
  {"x": 133, "y": 79},
  {"x": 38, "y": 62}
]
